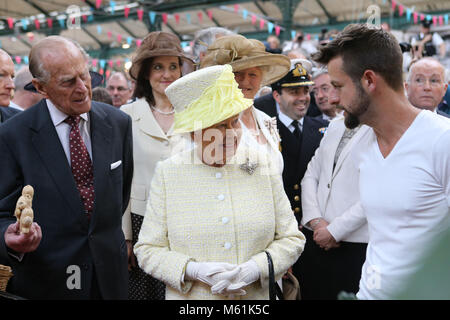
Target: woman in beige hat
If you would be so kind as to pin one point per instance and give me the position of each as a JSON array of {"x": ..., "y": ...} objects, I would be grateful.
[
  {"x": 156, "y": 65},
  {"x": 214, "y": 210},
  {"x": 253, "y": 68}
]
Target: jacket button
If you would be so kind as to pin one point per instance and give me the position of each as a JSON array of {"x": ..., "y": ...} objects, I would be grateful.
[
  {"x": 296, "y": 187},
  {"x": 328, "y": 185},
  {"x": 297, "y": 198},
  {"x": 297, "y": 210}
]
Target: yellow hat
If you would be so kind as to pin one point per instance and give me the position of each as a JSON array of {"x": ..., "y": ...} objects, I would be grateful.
[{"x": 205, "y": 97}]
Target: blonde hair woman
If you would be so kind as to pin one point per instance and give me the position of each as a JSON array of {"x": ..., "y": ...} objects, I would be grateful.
[{"x": 253, "y": 68}]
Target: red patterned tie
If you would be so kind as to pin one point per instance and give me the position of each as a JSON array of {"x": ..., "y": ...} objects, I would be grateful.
[{"x": 81, "y": 164}]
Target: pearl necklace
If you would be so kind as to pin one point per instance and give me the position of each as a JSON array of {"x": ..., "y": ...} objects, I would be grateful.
[{"x": 163, "y": 112}]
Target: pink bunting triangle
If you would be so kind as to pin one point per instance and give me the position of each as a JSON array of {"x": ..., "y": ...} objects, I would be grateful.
[
  {"x": 10, "y": 23},
  {"x": 18, "y": 59},
  {"x": 111, "y": 63},
  {"x": 200, "y": 17},
  {"x": 441, "y": 20},
  {"x": 138, "y": 42},
  {"x": 434, "y": 21},
  {"x": 253, "y": 19},
  {"x": 119, "y": 38},
  {"x": 164, "y": 18},
  {"x": 210, "y": 14},
  {"x": 126, "y": 12},
  {"x": 177, "y": 18},
  {"x": 109, "y": 33},
  {"x": 98, "y": 3},
  {"x": 400, "y": 10},
  {"x": 140, "y": 14},
  {"x": 236, "y": 8},
  {"x": 277, "y": 30},
  {"x": 261, "y": 23},
  {"x": 415, "y": 15},
  {"x": 37, "y": 24},
  {"x": 394, "y": 4}
]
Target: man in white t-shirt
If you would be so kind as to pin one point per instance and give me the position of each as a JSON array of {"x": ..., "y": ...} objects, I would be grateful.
[{"x": 404, "y": 164}]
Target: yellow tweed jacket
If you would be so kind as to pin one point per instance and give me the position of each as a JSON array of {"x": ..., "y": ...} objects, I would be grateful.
[{"x": 203, "y": 213}]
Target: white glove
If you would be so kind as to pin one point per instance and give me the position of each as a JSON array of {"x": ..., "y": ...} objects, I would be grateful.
[
  {"x": 249, "y": 273},
  {"x": 211, "y": 272}
]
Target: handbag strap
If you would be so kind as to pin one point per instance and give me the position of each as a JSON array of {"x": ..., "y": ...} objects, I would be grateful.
[{"x": 274, "y": 288}]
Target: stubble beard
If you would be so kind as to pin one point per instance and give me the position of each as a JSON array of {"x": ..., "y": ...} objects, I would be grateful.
[{"x": 361, "y": 102}]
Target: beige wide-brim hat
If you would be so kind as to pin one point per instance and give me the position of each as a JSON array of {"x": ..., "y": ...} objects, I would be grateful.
[
  {"x": 205, "y": 97},
  {"x": 242, "y": 53},
  {"x": 156, "y": 44}
]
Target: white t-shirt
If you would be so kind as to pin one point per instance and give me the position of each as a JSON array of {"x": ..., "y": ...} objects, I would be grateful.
[{"x": 406, "y": 198}]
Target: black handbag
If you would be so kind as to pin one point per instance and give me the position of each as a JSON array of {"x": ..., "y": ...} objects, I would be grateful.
[{"x": 291, "y": 286}]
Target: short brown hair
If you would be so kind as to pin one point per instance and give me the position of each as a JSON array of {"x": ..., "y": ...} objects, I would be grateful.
[{"x": 362, "y": 48}]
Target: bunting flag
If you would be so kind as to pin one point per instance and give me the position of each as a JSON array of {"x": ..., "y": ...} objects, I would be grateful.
[
  {"x": 408, "y": 14},
  {"x": 293, "y": 34},
  {"x": 164, "y": 18},
  {"x": 152, "y": 16},
  {"x": 61, "y": 22},
  {"x": 394, "y": 4},
  {"x": 99, "y": 29},
  {"x": 277, "y": 30},
  {"x": 140, "y": 14},
  {"x": 188, "y": 18},
  {"x": 25, "y": 59},
  {"x": 138, "y": 42},
  {"x": 129, "y": 40},
  {"x": 109, "y": 34},
  {"x": 10, "y": 23},
  {"x": 261, "y": 23},
  {"x": 98, "y": 3},
  {"x": 94, "y": 63},
  {"x": 236, "y": 8},
  {"x": 126, "y": 12},
  {"x": 112, "y": 5},
  {"x": 84, "y": 17},
  {"x": 24, "y": 23},
  {"x": 441, "y": 20},
  {"x": 119, "y": 38},
  {"x": 434, "y": 21},
  {"x": 177, "y": 18},
  {"x": 253, "y": 19},
  {"x": 270, "y": 26},
  {"x": 446, "y": 19},
  {"x": 210, "y": 14},
  {"x": 37, "y": 24},
  {"x": 244, "y": 14},
  {"x": 400, "y": 10},
  {"x": 415, "y": 15},
  {"x": 200, "y": 16},
  {"x": 18, "y": 59}
]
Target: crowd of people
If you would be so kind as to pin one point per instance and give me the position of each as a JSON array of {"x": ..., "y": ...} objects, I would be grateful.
[{"x": 179, "y": 179}]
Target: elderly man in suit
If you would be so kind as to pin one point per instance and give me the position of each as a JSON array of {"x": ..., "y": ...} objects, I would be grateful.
[
  {"x": 426, "y": 86},
  {"x": 6, "y": 86},
  {"x": 77, "y": 155},
  {"x": 336, "y": 227}
]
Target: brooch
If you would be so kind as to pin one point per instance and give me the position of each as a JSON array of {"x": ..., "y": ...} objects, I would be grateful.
[
  {"x": 322, "y": 130},
  {"x": 248, "y": 166}
]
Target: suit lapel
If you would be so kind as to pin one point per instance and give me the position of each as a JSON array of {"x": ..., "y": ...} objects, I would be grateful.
[
  {"x": 48, "y": 146},
  {"x": 147, "y": 122},
  {"x": 345, "y": 152},
  {"x": 102, "y": 155}
]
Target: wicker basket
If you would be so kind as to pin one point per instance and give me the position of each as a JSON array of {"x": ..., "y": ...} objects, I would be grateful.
[{"x": 5, "y": 275}]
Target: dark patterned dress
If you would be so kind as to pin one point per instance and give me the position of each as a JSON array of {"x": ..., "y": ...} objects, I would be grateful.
[{"x": 142, "y": 286}]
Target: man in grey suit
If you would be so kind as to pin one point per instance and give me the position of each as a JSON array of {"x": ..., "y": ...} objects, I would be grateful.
[
  {"x": 6, "y": 86},
  {"x": 77, "y": 155},
  {"x": 426, "y": 85}
]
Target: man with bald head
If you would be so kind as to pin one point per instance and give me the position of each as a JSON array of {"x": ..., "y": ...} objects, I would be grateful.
[
  {"x": 119, "y": 88},
  {"x": 6, "y": 86},
  {"x": 77, "y": 155},
  {"x": 426, "y": 85}
]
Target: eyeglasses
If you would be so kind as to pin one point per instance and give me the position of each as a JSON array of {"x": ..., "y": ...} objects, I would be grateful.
[
  {"x": 434, "y": 82},
  {"x": 325, "y": 89},
  {"x": 120, "y": 89}
]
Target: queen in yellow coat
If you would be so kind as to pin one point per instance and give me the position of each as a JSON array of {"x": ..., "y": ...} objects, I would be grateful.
[{"x": 214, "y": 210}]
